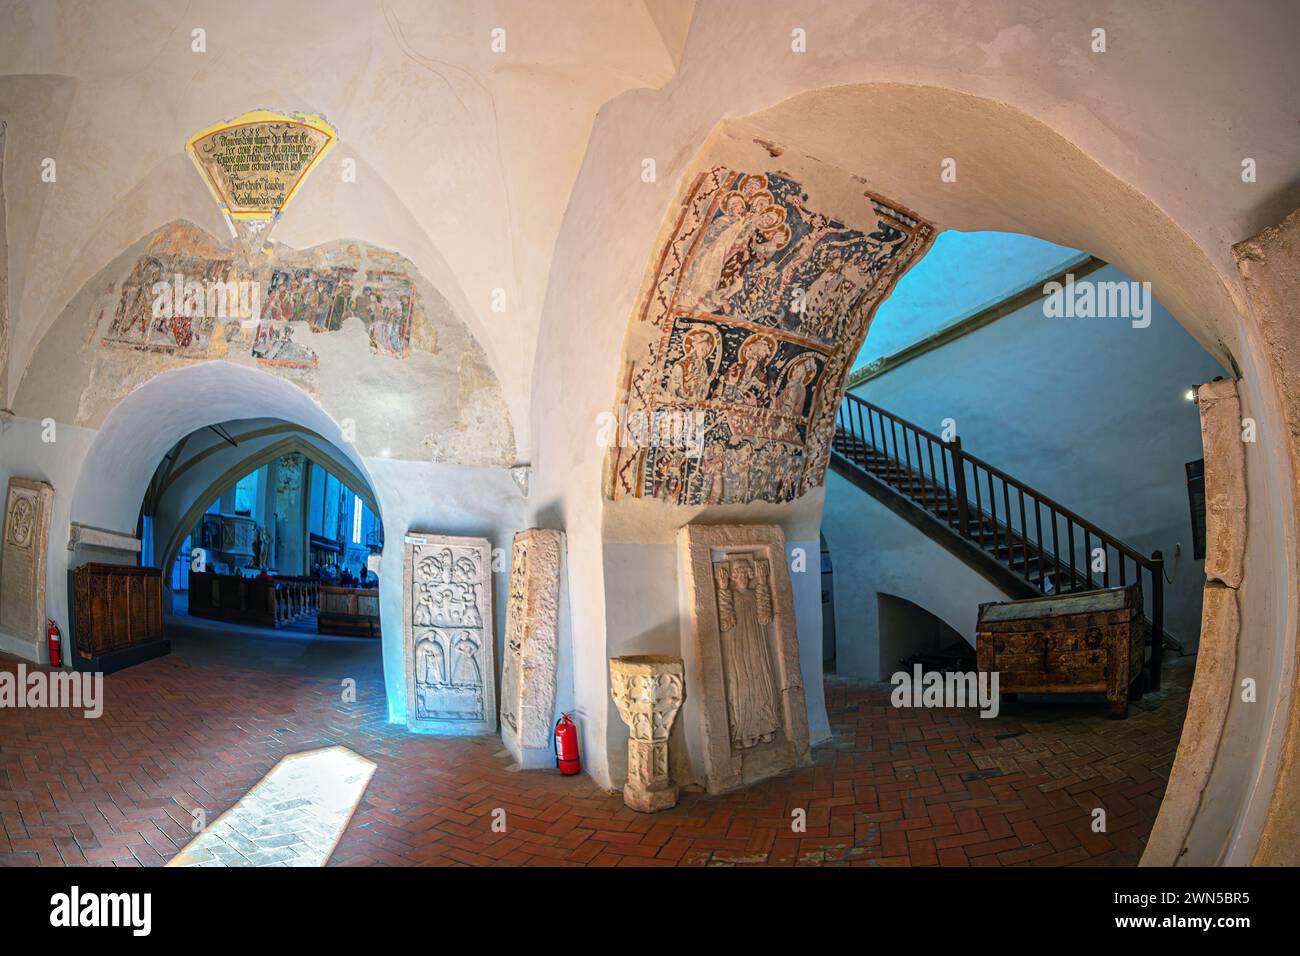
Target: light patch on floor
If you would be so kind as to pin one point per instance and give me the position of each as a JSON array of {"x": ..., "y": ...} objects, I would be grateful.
[{"x": 294, "y": 816}]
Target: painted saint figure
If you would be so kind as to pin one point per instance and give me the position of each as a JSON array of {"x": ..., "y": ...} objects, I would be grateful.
[
  {"x": 690, "y": 378},
  {"x": 746, "y": 381},
  {"x": 744, "y": 607}
]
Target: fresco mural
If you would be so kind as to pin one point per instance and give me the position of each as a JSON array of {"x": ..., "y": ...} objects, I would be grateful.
[
  {"x": 321, "y": 299},
  {"x": 164, "y": 305},
  {"x": 740, "y": 346},
  {"x": 353, "y": 325},
  {"x": 190, "y": 298}
]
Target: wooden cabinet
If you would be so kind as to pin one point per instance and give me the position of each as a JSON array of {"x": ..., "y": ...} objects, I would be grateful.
[
  {"x": 1091, "y": 642},
  {"x": 117, "y": 615}
]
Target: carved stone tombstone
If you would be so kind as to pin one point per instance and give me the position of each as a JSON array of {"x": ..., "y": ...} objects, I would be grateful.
[
  {"x": 528, "y": 668},
  {"x": 449, "y": 644},
  {"x": 22, "y": 568},
  {"x": 743, "y": 655}
]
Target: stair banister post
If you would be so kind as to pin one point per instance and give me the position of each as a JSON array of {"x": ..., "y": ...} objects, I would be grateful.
[
  {"x": 959, "y": 485},
  {"x": 1157, "y": 616}
]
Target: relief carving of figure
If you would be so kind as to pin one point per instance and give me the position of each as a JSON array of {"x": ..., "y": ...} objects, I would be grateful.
[
  {"x": 432, "y": 666},
  {"x": 744, "y": 608},
  {"x": 464, "y": 669},
  {"x": 422, "y": 613}
]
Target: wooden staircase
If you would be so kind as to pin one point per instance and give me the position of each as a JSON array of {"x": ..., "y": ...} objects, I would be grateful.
[{"x": 1015, "y": 536}]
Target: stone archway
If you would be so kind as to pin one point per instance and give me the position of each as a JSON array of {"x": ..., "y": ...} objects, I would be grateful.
[
  {"x": 117, "y": 465},
  {"x": 287, "y": 446},
  {"x": 1019, "y": 175}
]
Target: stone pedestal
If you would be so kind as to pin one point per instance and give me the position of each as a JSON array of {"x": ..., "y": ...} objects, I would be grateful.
[{"x": 648, "y": 692}]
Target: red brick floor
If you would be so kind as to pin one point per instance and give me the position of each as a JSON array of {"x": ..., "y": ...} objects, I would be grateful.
[{"x": 919, "y": 787}]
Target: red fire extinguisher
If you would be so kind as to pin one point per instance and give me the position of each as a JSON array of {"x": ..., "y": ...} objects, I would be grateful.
[
  {"x": 566, "y": 746},
  {"x": 52, "y": 633}
]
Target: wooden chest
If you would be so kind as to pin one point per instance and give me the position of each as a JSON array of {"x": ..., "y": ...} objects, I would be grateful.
[
  {"x": 1091, "y": 642},
  {"x": 117, "y": 616}
]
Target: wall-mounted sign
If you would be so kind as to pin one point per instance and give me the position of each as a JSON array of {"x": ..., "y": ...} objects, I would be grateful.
[{"x": 255, "y": 163}]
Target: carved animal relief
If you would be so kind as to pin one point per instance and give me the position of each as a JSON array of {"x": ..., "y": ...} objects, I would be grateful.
[
  {"x": 744, "y": 653},
  {"x": 450, "y": 676}
]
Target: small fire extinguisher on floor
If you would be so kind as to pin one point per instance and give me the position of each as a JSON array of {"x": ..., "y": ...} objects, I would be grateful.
[
  {"x": 52, "y": 633},
  {"x": 566, "y": 746}
]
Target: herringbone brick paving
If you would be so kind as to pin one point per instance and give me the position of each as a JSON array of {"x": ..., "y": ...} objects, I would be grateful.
[{"x": 894, "y": 787}]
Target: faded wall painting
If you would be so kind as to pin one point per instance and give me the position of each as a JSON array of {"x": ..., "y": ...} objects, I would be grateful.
[
  {"x": 737, "y": 354},
  {"x": 353, "y": 325},
  {"x": 183, "y": 329},
  {"x": 743, "y": 658},
  {"x": 321, "y": 300},
  {"x": 528, "y": 667},
  {"x": 188, "y": 297},
  {"x": 449, "y": 643}
]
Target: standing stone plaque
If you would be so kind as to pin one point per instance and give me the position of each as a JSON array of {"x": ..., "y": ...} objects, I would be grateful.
[
  {"x": 528, "y": 670},
  {"x": 22, "y": 568},
  {"x": 447, "y": 618},
  {"x": 743, "y": 657}
]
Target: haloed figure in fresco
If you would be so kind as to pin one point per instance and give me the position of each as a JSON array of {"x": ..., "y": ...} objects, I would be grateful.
[{"x": 744, "y": 607}]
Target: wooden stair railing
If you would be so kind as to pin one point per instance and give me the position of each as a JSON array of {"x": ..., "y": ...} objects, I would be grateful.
[{"x": 1053, "y": 549}]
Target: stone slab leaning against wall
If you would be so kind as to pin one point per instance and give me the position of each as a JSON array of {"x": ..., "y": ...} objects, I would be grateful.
[
  {"x": 528, "y": 670},
  {"x": 448, "y": 642},
  {"x": 742, "y": 657},
  {"x": 22, "y": 568}
]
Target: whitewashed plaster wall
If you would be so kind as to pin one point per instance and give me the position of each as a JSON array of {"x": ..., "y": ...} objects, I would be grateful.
[
  {"x": 1089, "y": 411},
  {"x": 481, "y": 146},
  {"x": 874, "y": 552}
]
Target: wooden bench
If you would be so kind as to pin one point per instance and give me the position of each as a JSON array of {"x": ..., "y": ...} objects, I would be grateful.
[{"x": 352, "y": 611}]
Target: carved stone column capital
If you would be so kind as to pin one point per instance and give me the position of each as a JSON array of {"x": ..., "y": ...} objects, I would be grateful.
[{"x": 648, "y": 692}]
